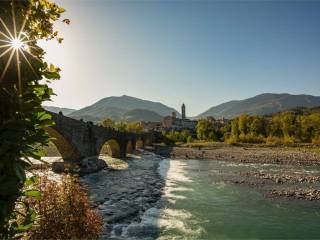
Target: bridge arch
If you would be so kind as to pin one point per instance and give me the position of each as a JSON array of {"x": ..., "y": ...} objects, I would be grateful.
[
  {"x": 65, "y": 148},
  {"x": 111, "y": 147}
]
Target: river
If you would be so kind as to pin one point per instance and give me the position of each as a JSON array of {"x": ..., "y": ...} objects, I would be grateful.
[
  {"x": 200, "y": 200},
  {"x": 200, "y": 203}
]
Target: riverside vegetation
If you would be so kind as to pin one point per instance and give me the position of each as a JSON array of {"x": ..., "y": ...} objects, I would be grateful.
[
  {"x": 33, "y": 207},
  {"x": 296, "y": 126},
  {"x": 22, "y": 118}
]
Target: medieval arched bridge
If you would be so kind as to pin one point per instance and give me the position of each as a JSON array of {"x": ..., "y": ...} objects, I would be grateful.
[{"x": 76, "y": 139}]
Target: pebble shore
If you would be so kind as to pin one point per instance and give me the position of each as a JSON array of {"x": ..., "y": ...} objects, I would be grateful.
[
  {"x": 288, "y": 184},
  {"x": 251, "y": 154}
]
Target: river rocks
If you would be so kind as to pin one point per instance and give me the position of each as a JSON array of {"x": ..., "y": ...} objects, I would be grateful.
[
  {"x": 85, "y": 166},
  {"x": 58, "y": 167},
  {"x": 90, "y": 165},
  {"x": 282, "y": 178},
  {"x": 308, "y": 194},
  {"x": 251, "y": 154},
  {"x": 65, "y": 167},
  {"x": 139, "y": 231}
]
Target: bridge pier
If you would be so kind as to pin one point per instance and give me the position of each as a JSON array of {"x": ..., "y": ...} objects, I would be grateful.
[{"x": 123, "y": 150}]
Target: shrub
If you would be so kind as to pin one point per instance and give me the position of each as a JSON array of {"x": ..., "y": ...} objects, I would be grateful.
[
  {"x": 64, "y": 211},
  {"x": 316, "y": 140},
  {"x": 232, "y": 140},
  {"x": 289, "y": 140},
  {"x": 251, "y": 138},
  {"x": 273, "y": 140},
  {"x": 189, "y": 139}
]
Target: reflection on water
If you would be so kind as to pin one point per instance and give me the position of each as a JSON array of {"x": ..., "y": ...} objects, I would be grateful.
[{"x": 199, "y": 204}]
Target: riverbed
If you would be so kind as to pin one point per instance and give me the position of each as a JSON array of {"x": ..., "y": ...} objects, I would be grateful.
[
  {"x": 159, "y": 198},
  {"x": 202, "y": 203}
]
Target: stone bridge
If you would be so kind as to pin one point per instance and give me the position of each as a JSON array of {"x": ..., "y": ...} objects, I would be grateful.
[{"x": 76, "y": 139}]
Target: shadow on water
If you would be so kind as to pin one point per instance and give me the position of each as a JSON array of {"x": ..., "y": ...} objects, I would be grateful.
[{"x": 124, "y": 192}]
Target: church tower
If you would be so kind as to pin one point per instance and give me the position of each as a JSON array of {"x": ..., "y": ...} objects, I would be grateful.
[{"x": 183, "y": 111}]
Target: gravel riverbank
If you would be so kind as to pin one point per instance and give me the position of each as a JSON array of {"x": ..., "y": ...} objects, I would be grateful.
[
  {"x": 294, "y": 181},
  {"x": 245, "y": 154}
]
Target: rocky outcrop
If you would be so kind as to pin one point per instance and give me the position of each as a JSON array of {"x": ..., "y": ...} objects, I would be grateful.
[{"x": 85, "y": 166}]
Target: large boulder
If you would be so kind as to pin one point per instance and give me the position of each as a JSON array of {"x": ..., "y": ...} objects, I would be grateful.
[
  {"x": 85, "y": 166},
  {"x": 90, "y": 165}
]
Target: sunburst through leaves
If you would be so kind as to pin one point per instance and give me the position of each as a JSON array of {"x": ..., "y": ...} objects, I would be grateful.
[{"x": 14, "y": 44}]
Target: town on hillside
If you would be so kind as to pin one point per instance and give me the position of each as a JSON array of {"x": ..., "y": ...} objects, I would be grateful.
[{"x": 174, "y": 123}]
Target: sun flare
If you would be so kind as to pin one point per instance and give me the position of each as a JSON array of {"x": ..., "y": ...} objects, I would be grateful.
[
  {"x": 17, "y": 43},
  {"x": 14, "y": 45}
]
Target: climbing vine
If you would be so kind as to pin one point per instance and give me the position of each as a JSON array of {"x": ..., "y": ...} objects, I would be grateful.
[{"x": 24, "y": 78}]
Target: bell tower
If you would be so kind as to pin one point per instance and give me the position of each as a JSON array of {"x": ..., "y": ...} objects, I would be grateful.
[{"x": 183, "y": 111}]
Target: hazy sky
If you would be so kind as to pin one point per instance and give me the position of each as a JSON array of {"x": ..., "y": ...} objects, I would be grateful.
[{"x": 201, "y": 53}]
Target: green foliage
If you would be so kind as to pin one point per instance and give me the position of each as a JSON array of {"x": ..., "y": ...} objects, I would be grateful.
[
  {"x": 134, "y": 127},
  {"x": 281, "y": 128},
  {"x": 174, "y": 136},
  {"x": 206, "y": 131},
  {"x": 108, "y": 123},
  {"x": 23, "y": 216},
  {"x": 22, "y": 119}
]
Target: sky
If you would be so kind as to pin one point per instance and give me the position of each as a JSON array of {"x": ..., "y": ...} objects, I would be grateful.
[{"x": 202, "y": 53}]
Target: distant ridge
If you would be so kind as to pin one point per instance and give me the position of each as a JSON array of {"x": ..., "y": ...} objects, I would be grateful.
[
  {"x": 65, "y": 111},
  {"x": 123, "y": 108},
  {"x": 126, "y": 108},
  {"x": 266, "y": 103},
  {"x": 138, "y": 115}
]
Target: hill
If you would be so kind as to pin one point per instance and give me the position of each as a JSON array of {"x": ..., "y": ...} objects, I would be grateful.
[
  {"x": 138, "y": 115},
  {"x": 120, "y": 108},
  {"x": 262, "y": 104},
  {"x": 65, "y": 111}
]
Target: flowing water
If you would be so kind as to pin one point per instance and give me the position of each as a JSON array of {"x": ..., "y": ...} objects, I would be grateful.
[{"x": 200, "y": 203}]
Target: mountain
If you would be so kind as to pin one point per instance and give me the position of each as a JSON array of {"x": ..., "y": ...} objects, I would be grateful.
[
  {"x": 138, "y": 115},
  {"x": 119, "y": 108},
  {"x": 262, "y": 104},
  {"x": 65, "y": 111}
]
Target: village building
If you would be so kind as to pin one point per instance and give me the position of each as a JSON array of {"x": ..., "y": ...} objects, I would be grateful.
[
  {"x": 174, "y": 123},
  {"x": 151, "y": 126},
  {"x": 219, "y": 122}
]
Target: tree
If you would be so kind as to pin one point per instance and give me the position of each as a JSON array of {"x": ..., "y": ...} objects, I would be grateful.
[
  {"x": 288, "y": 126},
  {"x": 134, "y": 127},
  {"x": 235, "y": 129},
  {"x": 185, "y": 136},
  {"x": 23, "y": 88},
  {"x": 205, "y": 130},
  {"x": 121, "y": 126},
  {"x": 108, "y": 123},
  {"x": 257, "y": 125},
  {"x": 243, "y": 124},
  {"x": 274, "y": 126}
]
